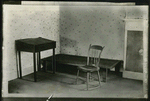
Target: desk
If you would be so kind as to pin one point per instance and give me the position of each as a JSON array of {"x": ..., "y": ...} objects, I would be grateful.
[{"x": 35, "y": 45}]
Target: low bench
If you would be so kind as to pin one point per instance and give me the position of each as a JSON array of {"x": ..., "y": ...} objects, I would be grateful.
[{"x": 68, "y": 63}]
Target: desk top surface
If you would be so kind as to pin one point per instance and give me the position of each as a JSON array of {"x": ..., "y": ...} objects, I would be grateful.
[
  {"x": 35, "y": 41},
  {"x": 34, "y": 44}
]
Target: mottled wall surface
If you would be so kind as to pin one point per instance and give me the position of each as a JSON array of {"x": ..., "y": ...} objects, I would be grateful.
[
  {"x": 27, "y": 22},
  {"x": 82, "y": 26},
  {"x": 136, "y": 12},
  {"x": 103, "y": 25}
]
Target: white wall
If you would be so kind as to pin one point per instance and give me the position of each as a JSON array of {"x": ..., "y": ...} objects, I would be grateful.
[{"x": 81, "y": 26}]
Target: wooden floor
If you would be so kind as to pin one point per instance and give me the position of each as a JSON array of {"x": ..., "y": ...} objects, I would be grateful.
[{"x": 64, "y": 85}]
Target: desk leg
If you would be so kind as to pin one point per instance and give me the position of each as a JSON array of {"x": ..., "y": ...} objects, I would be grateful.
[
  {"x": 39, "y": 61},
  {"x": 17, "y": 63},
  {"x": 54, "y": 65},
  {"x": 20, "y": 64},
  {"x": 34, "y": 63},
  {"x": 44, "y": 66}
]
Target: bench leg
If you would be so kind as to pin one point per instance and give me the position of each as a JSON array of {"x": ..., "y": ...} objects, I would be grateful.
[
  {"x": 44, "y": 66},
  {"x": 117, "y": 68},
  {"x": 77, "y": 77}
]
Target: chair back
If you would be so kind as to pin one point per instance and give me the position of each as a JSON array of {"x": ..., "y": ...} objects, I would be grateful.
[{"x": 94, "y": 54}]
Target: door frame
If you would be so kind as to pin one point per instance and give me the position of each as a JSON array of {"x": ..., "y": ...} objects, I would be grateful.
[{"x": 136, "y": 25}]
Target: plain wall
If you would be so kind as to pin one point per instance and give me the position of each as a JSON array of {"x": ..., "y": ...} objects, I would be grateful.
[{"x": 81, "y": 26}]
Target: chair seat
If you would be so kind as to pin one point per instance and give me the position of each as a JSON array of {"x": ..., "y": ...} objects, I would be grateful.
[{"x": 88, "y": 68}]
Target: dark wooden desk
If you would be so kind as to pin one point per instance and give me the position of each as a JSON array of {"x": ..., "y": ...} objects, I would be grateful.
[{"x": 35, "y": 45}]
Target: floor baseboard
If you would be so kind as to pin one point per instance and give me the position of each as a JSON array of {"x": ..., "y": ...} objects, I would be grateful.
[{"x": 133, "y": 75}]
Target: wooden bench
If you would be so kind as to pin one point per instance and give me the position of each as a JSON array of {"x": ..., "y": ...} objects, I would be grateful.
[{"x": 65, "y": 61}]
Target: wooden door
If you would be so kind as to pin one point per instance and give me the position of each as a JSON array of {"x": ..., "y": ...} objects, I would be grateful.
[{"x": 134, "y": 55}]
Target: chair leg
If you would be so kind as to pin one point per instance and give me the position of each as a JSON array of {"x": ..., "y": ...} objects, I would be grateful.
[
  {"x": 77, "y": 76},
  {"x": 99, "y": 78},
  {"x": 87, "y": 80},
  {"x": 90, "y": 77},
  {"x": 106, "y": 74}
]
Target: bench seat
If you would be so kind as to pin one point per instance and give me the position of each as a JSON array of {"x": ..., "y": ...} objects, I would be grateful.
[{"x": 64, "y": 60}]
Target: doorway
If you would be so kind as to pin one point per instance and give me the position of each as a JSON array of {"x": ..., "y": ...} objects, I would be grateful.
[{"x": 134, "y": 52}]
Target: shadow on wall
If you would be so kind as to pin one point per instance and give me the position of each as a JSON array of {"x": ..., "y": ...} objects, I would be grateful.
[{"x": 68, "y": 45}]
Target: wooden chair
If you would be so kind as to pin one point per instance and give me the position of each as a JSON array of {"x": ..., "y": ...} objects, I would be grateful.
[{"x": 93, "y": 60}]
